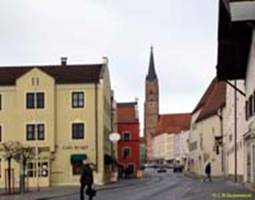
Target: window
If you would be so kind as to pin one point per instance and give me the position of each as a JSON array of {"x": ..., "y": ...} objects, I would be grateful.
[
  {"x": 30, "y": 101},
  {"x": 246, "y": 111},
  {"x": 78, "y": 131},
  {"x": 40, "y": 100},
  {"x": 254, "y": 101},
  {"x": 31, "y": 171},
  {"x": 43, "y": 166},
  {"x": 126, "y": 136},
  {"x": 126, "y": 152},
  {"x": 0, "y": 102},
  {"x": 31, "y": 132},
  {"x": 77, "y": 166},
  {"x": 77, "y": 99},
  {"x": 42, "y": 169},
  {"x": 35, "y": 100},
  {"x": 250, "y": 105},
  {"x": 40, "y": 129},
  {"x": 0, "y": 168}
]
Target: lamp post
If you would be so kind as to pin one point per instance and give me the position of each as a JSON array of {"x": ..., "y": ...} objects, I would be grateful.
[
  {"x": 235, "y": 129},
  {"x": 114, "y": 138}
]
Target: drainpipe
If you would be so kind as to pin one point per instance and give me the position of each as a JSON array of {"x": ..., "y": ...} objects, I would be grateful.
[
  {"x": 96, "y": 125},
  {"x": 235, "y": 128}
]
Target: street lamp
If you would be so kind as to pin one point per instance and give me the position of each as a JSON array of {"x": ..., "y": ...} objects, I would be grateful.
[{"x": 114, "y": 138}]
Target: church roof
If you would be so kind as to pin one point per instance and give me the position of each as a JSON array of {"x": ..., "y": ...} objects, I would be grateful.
[
  {"x": 173, "y": 123},
  {"x": 152, "y": 72},
  {"x": 127, "y": 112}
]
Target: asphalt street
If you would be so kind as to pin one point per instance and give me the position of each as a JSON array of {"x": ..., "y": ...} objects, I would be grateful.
[{"x": 170, "y": 186}]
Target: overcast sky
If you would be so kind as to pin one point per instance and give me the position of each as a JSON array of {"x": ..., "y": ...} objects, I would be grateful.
[{"x": 183, "y": 33}]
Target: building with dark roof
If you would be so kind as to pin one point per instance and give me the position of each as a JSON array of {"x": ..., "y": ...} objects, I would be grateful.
[
  {"x": 211, "y": 135},
  {"x": 64, "y": 111}
]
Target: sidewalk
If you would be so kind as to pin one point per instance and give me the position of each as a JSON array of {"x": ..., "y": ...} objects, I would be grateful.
[
  {"x": 63, "y": 191},
  {"x": 223, "y": 180}
]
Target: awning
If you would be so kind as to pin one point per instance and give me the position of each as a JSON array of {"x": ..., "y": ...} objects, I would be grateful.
[{"x": 78, "y": 157}]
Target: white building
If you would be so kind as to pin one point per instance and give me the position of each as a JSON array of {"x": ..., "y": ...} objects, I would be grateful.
[
  {"x": 236, "y": 61},
  {"x": 171, "y": 135},
  {"x": 206, "y": 130}
]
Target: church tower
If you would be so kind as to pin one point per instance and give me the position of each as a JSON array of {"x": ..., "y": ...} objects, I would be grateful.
[{"x": 151, "y": 105}]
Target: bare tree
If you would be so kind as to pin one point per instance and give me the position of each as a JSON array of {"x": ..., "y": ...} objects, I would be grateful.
[{"x": 11, "y": 150}]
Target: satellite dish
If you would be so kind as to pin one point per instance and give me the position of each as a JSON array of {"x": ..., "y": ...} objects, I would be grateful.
[{"x": 114, "y": 137}]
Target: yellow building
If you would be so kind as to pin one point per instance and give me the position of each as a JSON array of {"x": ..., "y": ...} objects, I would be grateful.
[{"x": 65, "y": 111}]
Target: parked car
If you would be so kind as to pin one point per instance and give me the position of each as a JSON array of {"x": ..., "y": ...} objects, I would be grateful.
[
  {"x": 162, "y": 170},
  {"x": 170, "y": 166},
  {"x": 178, "y": 167}
]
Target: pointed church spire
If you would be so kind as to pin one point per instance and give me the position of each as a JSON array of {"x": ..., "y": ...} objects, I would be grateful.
[{"x": 152, "y": 73}]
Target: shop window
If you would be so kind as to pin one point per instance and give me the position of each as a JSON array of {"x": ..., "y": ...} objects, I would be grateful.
[
  {"x": 42, "y": 169},
  {"x": 77, "y": 167}
]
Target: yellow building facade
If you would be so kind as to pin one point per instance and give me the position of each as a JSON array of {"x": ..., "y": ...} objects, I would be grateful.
[{"x": 65, "y": 113}]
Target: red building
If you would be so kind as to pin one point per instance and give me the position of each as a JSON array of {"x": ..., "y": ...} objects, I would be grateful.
[{"x": 128, "y": 128}]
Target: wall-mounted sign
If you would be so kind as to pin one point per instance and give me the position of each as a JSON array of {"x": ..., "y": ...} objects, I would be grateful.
[{"x": 75, "y": 147}]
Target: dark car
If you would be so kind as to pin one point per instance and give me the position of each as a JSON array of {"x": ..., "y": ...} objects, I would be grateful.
[
  {"x": 178, "y": 167},
  {"x": 162, "y": 170}
]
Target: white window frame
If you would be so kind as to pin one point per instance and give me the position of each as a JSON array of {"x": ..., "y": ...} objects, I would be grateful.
[
  {"x": 34, "y": 92},
  {"x": 71, "y": 130},
  {"x": 36, "y": 136},
  {"x": 84, "y": 99}
]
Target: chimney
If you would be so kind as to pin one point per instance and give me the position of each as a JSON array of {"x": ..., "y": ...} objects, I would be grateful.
[
  {"x": 105, "y": 60},
  {"x": 63, "y": 61}
]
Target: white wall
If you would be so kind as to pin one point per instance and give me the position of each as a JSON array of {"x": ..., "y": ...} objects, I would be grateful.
[
  {"x": 229, "y": 126},
  {"x": 250, "y": 88}
]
